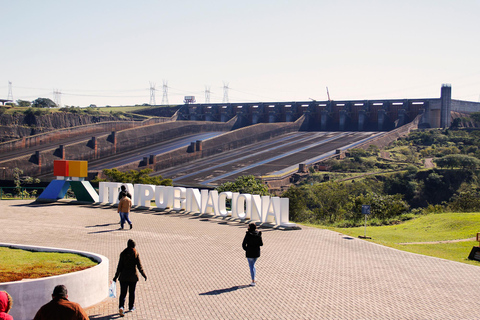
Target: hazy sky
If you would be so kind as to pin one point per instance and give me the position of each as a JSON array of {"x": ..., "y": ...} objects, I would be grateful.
[{"x": 108, "y": 52}]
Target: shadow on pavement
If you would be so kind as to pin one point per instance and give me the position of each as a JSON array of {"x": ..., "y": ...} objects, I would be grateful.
[
  {"x": 220, "y": 291},
  {"x": 111, "y": 316}
]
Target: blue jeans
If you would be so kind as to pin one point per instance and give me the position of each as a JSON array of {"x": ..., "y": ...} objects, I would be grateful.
[
  {"x": 123, "y": 218},
  {"x": 251, "y": 264}
]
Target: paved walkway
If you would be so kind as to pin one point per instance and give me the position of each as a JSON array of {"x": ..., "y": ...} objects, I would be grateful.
[{"x": 197, "y": 270}]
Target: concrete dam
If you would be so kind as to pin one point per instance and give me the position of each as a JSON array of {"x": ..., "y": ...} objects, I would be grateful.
[{"x": 236, "y": 126}]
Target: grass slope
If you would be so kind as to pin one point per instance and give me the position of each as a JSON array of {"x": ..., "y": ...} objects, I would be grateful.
[{"x": 433, "y": 235}]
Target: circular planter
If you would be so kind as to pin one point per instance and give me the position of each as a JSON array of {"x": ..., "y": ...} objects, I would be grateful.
[{"x": 86, "y": 287}]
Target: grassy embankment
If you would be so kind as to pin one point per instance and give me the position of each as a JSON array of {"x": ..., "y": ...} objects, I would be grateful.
[
  {"x": 17, "y": 264},
  {"x": 436, "y": 235}
]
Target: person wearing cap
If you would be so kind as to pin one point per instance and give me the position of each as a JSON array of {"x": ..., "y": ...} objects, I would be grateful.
[
  {"x": 5, "y": 305},
  {"x": 60, "y": 307},
  {"x": 127, "y": 267}
]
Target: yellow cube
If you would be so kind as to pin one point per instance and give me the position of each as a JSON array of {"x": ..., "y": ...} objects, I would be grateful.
[{"x": 77, "y": 168}]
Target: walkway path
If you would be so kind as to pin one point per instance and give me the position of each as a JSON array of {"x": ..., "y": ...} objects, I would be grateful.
[{"x": 197, "y": 270}]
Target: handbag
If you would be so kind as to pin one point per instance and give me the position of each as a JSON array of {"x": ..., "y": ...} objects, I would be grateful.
[{"x": 112, "y": 291}]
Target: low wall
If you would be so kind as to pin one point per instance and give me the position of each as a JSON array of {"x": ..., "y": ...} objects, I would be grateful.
[{"x": 86, "y": 287}]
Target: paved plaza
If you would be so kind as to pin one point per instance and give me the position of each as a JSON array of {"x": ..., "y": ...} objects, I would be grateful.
[{"x": 197, "y": 269}]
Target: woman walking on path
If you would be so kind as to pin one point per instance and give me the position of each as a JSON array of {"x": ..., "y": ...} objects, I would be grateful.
[
  {"x": 251, "y": 244},
  {"x": 127, "y": 274},
  {"x": 124, "y": 210}
]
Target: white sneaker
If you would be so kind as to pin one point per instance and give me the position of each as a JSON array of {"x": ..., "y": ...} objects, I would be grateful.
[
  {"x": 121, "y": 312},
  {"x": 252, "y": 284}
]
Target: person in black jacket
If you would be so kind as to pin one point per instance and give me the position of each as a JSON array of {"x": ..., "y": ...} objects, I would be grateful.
[
  {"x": 251, "y": 244},
  {"x": 127, "y": 267}
]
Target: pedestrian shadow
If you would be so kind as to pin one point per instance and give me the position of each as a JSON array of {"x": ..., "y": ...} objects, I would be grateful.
[
  {"x": 101, "y": 225},
  {"x": 220, "y": 291},
  {"x": 111, "y": 316}
]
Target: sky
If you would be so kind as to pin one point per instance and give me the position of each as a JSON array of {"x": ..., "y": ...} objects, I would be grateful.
[{"x": 114, "y": 52}]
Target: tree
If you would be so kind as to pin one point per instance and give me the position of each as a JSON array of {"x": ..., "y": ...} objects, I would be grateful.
[
  {"x": 43, "y": 103},
  {"x": 19, "y": 180},
  {"x": 475, "y": 116},
  {"x": 134, "y": 176},
  {"x": 245, "y": 184},
  {"x": 458, "y": 161},
  {"x": 24, "y": 103}
]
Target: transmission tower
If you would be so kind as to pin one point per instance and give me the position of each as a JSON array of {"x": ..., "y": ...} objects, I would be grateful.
[
  {"x": 225, "y": 92},
  {"x": 165, "y": 93},
  {"x": 10, "y": 93},
  {"x": 152, "y": 94},
  {"x": 57, "y": 97},
  {"x": 207, "y": 94}
]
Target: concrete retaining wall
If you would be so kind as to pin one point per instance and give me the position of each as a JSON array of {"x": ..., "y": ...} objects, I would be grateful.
[
  {"x": 86, "y": 287},
  {"x": 228, "y": 141}
]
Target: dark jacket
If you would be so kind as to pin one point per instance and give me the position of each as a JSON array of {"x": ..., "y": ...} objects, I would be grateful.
[
  {"x": 251, "y": 244},
  {"x": 127, "y": 266},
  {"x": 61, "y": 309}
]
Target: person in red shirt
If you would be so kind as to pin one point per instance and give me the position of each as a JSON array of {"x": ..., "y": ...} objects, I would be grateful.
[{"x": 60, "y": 307}]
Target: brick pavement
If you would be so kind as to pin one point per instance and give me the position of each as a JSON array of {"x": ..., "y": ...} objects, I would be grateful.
[{"x": 197, "y": 270}]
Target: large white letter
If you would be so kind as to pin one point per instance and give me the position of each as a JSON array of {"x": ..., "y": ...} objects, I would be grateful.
[
  {"x": 212, "y": 203},
  {"x": 194, "y": 200},
  {"x": 284, "y": 215},
  {"x": 234, "y": 213},
  {"x": 179, "y": 198},
  {"x": 273, "y": 212},
  {"x": 163, "y": 197},
  {"x": 147, "y": 193},
  {"x": 108, "y": 192},
  {"x": 222, "y": 203},
  {"x": 244, "y": 202},
  {"x": 256, "y": 210},
  {"x": 204, "y": 194}
]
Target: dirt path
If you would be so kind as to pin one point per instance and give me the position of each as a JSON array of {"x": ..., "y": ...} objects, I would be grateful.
[
  {"x": 428, "y": 163},
  {"x": 436, "y": 242}
]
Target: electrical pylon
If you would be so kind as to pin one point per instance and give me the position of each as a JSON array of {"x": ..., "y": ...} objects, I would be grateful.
[
  {"x": 225, "y": 92},
  {"x": 10, "y": 92},
  {"x": 57, "y": 97},
  {"x": 207, "y": 94},
  {"x": 165, "y": 93},
  {"x": 152, "y": 94}
]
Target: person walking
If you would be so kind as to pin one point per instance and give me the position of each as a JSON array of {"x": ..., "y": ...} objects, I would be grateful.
[
  {"x": 121, "y": 194},
  {"x": 5, "y": 305},
  {"x": 60, "y": 307},
  {"x": 127, "y": 267},
  {"x": 123, "y": 189},
  {"x": 124, "y": 207},
  {"x": 251, "y": 244}
]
